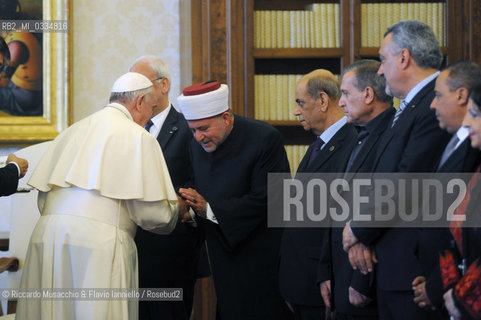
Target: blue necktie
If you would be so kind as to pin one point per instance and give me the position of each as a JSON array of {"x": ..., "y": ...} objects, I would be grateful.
[{"x": 149, "y": 125}]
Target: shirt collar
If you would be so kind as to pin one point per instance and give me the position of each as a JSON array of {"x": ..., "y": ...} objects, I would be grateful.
[
  {"x": 414, "y": 91},
  {"x": 332, "y": 130},
  {"x": 462, "y": 134},
  {"x": 158, "y": 121}
]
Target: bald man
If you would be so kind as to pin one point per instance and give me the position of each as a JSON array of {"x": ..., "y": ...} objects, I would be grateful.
[{"x": 318, "y": 111}]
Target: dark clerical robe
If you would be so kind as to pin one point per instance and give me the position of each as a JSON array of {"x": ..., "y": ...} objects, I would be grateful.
[{"x": 243, "y": 252}]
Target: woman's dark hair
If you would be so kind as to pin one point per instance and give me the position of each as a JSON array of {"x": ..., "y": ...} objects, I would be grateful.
[{"x": 475, "y": 95}]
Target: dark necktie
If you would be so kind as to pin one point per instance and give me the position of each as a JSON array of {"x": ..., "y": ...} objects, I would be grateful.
[
  {"x": 361, "y": 138},
  {"x": 315, "y": 150},
  {"x": 148, "y": 125},
  {"x": 449, "y": 149}
]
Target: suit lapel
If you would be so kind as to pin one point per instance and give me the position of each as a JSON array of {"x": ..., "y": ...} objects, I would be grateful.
[
  {"x": 326, "y": 152},
  {"x": 303, "y": 164},
  {"x": 169, "y": 129},
  {"x": 404, "y": 119},
  {"x": 364, "y": 152},
  {"x": 406, "y": 115},
  {"x": 372, "y": 140},
  {"x": 455, "y": 160},
  {"x": 334, "y": 145}
]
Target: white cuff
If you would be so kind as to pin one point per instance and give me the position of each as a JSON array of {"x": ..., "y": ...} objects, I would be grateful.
[{"x": 210, "y": 214}]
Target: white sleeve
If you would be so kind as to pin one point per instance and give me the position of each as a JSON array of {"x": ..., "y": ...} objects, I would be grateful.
[
  {"x": 41, "y": 200},
  {"x": 155, "y": 216}
]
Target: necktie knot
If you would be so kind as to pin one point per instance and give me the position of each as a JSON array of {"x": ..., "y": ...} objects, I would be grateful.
[
  {"x": 316, "y": 149},
  {"x": 402, "y": 106},
  {"x": 318, "y": 144},
  {"x": 149, "y": 125}
]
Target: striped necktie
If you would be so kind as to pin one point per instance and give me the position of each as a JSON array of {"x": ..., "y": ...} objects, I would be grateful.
[{"x": 402, "y": 106}]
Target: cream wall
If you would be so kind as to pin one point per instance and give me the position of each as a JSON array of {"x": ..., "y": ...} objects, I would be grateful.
[{"x": 109, "y": 35}]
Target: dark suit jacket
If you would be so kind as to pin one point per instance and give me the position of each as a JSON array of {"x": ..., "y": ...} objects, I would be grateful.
[
  {"x": 301, "y": 247},
  {"x": 463, "y": 159},
  {"x": 243, "y": 250},
  {"x": 8, "y": 179},
  {"x": 343, "y": 276},
  {"x": 414, "y": 144},
  {"x": 174, "y": 256}
]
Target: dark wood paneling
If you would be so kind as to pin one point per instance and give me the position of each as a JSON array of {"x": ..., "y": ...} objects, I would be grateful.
[
  {"x": 237, "y": 38},
  {"x": 473, "y": 31},
  {"x": 217, "y": 53},
  {"x": 249, "y": 58}
]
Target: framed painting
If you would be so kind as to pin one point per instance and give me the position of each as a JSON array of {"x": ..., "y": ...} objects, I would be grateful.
[{"x": 35, "y": 84}]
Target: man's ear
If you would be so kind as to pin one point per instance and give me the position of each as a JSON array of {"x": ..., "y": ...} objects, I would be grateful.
[
  {"x": 462, "y": 95},
  {"x": 323, "y": 100},
  {"x": 368, "y": 95},
  {"x": 226, "y": 117},
  {"x": 139, "y": 101},
  {"x": 165, "y": 85},
  {"x": 405, "y": 58}
]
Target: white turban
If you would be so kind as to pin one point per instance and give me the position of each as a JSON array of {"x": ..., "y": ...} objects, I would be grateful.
[
  {"x": 131, "y": 81},
  {"x": 204, "y": 100}
]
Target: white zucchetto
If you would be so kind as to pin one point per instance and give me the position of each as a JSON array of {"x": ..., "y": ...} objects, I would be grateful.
[{"x": 131, "y": 81}]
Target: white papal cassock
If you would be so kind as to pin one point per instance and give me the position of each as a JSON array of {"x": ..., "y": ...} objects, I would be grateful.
[{"x": 98, "y": 180}]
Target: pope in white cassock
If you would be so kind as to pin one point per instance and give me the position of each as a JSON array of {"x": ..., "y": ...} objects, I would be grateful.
[{"x": 98, "y": 180}]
